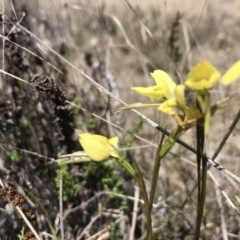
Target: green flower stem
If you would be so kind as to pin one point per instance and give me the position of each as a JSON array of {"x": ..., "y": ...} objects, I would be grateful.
[
  {"x": 124, "y": 163},
  {"x": 200, "y": 101},
  {"x": 207, "y": 115},
  {"x": 202, "y": 134},
  {"x": 139, "y": 179},
  {"x": 162, "y": 152},
  {"x": 200, "y": 204}
]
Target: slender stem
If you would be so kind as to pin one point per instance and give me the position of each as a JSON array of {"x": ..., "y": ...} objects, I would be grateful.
[
  {"x": 200, "y": 144},
  {"x": 138, "y": 178},
  {"x": 134, "y": 216},
  {"x": 124, "y": 163},
  {"x": 202, "y": 133},
  {"x": 207, "y": 119},
  {"x": 144, "y": 194},
  {"x": 149, "y": 207},
  {"x": 204, "y": 183},
  {"x": 200, "y": 137},
  {"x": 162, "y": 152}
]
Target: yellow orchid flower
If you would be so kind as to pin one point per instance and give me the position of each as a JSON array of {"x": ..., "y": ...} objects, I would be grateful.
[
  {"x": 98, "y": 147},
  {"x": 202, "y": 76},
  {"x": 200, "y": 79},
  {"x": 172, "y": 95},
  {"x": 163, "y": 89}
]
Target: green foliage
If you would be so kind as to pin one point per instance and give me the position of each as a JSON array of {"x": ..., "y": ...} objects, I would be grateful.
[
  {"x": 24, "y": 123},
  {"x": 109, "y": 179},
  {"x": 76, "y": 107},
  {"x": 135, "y": 130},
  {"x": 21, "y": 235},
  {"x": 90, "y": 125},
  {"x": 114, "y": 232},
  {"x": 25, "y": 132},
  {"x": 69, "y": 185},
  {"x": 15, "y": 156}
]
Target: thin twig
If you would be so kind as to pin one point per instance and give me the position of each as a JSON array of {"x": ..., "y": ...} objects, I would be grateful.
[
  {"x": 229, "y": 201},
  {"x": 226, "y": 136},
  {"x": 61, "y": 205},
  {"x": 102, "y": 232},
  {"x": 32, "y": 53},
  {"x": 47, "y": 235},
  {"x": 134, "y": 216},
  {"x": 216, "y": 183},
  {"x": 15, "y": 14},
  {"x": 209, "y": 160},
  {"x": 199, "y": 19},
  {"x": 94, "y": 219},
  {"x": 3, "y": 45},
  {"x": 13, "y": 76},
  {"x": 220, "y": 204},
  {"x": 27, "y": 222},
  {"x": 187, "y": 43}
]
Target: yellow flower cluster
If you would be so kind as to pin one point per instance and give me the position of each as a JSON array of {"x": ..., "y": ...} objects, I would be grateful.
[{"x": 201, "y": 78}]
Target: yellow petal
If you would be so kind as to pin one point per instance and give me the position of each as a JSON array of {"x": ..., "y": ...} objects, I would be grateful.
[
  {"x": 232, "y": 74},
  {"x": 165, "y": 81},
  {"x": 156, "y": 92},
  {"x": 179, "y": 93},
  {"x": 213, "y": 79},
  {"x": 202, "y": 76},
  {"x": 114, "y": 146},
  {"x": 114, "y": 141},
  {"x": 168, "y": 106},
  {"x": 95, "y": 146},
  {"x": 202, "y": 70}
]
